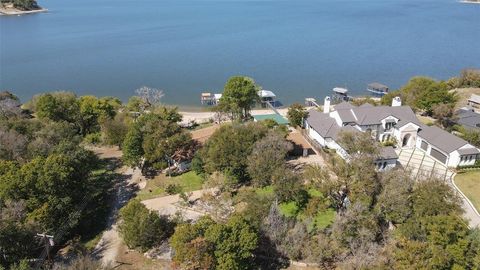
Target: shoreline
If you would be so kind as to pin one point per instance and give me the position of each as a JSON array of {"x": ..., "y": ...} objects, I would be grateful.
[
  {"x": 469, "y": 2},
  {"x": 17, "y": 12}
]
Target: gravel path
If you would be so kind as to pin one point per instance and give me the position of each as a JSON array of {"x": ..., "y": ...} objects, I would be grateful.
[{"x": 110, "y": 243}]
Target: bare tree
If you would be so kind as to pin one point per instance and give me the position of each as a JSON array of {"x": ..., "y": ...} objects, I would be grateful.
[{"x": 150, "y": 96}]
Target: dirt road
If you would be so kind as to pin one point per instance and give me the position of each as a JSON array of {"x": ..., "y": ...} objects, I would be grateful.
[{"x": 126, "y": 185}]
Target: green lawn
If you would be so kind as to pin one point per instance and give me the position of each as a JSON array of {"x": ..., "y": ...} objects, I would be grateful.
[
  {"x": 156, "y": 187},
  {"x": 469, "y": 183}
]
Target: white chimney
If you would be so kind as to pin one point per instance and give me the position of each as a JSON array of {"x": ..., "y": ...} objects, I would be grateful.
[
  {"x": 396, "y": 102},
  {"x": 326, "y": 105}
]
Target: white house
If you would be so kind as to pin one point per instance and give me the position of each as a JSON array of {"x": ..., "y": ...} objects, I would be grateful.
[{"x": 388, "y": 123}]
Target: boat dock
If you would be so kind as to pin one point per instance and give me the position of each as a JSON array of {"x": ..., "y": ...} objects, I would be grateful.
[{"x": 377, "y": 89}]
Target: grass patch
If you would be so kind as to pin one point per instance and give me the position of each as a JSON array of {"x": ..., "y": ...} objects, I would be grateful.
[
  {"x": 92, "y": 243},
  {"x": 289, "y": 209},
  {"x": 189, "y": 181},
  {"x": 324, "y": 218},
  {"x": 425, "y": 119},
  {"x": 469, "y": 184},
  {"x": 314, "y": 193},
  {"x": 265, "y": 191}
]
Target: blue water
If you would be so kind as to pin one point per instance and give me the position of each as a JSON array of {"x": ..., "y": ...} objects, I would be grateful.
[{"x": 297, "y": 48}]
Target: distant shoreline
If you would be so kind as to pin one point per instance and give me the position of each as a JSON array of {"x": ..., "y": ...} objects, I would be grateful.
[
  {"x": 469, "y": 2},
  {"x": 13, "y": 12}
]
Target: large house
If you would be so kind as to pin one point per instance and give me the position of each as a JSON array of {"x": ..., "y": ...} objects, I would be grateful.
[{"x": 395, "y": 123}]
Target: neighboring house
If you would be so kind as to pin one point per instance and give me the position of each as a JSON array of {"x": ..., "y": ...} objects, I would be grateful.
[
  {"x": 468, "y": 118},
  {"x": 387, "y": 123},
  {"x": 474, "y": 101}
]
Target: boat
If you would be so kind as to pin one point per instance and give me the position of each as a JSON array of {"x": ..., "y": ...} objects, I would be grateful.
[{"x": 377, "y": 88}]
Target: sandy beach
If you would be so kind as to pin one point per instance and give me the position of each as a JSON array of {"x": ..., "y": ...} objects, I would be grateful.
[{"x": 203, "y": 117}]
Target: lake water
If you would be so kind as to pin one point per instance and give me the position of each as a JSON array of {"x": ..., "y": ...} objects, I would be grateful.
[{"x": 297, "y": 48}]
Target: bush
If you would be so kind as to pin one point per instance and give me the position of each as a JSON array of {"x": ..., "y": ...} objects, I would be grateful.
[
  {"x": 142, "y": 229},
  {"x": 173, "y": 189},
  {"x": 93, "y": 138}
]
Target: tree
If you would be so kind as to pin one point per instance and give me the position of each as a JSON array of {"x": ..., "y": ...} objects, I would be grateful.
[
  {"x": 239, "y": 95},
  {"x": 16, "y": 234},
  {"x": 192, "y": 251},
  {"x": 210, "y": 245},
  {"x": 356, "y": 228},
  {"x": 394, "y": 203},
  {"x": 268, "y": 156},
  {"x": 469, "y": 78},
  {"x": 296, "y": 115},
  {"x": 13, "y": 146},
  {"x": 9, "y": 105},
  {"x": 150, "y": 96},
  {"x": 423, "y": 93},
  {"x": 438, "y": 242},
  {"x": 164, "y": 141},
  {"x": 435, "y": 197},
  {"x": 141, "y": 228},
  {"x": 288, "y": 187},
  {"x": 115, "y": 130},
  {"x": 228, "y": 149},
  {"x": 132, "y": 146},
  {"x": 358, "y": 143},
  {"x": 136, "y": 104},
  {"x": 56, "y": 106},
  {"x": 23, "y": 4},
  {"x": 92, "y": 111},
  {"x": 445, "y": 114},
  {"x": 470, "y": 135},
  {"x": 436, "y": 93}
]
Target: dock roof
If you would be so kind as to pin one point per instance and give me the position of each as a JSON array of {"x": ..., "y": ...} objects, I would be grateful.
[
  {"x": 376, "y": 85},
  {"x": 340, "y": 90},
  {"x": 266, "y": 93}
]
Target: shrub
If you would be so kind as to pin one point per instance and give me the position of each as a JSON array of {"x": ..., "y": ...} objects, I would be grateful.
[
  {"x": 93, "y": 138},
  {"x": 173, "y": 189}
]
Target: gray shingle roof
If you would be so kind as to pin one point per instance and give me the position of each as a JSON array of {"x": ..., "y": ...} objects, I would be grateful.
[
  {"x": 388, "y": 153},
  {"x": 346, "y": 116},
  {"x": 374, "y": 115},
  {"x": 468, "y": 119},
  {"x": 343, "y": 106},
  {"x": 468, "y": 151},
  {"x": 322, "y": 123},
  {"x": 441, "y": 139},
  {"x": 366, "y": 105}
]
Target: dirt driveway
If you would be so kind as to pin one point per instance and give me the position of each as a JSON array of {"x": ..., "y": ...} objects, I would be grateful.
[{"x": 171, "y": 205}]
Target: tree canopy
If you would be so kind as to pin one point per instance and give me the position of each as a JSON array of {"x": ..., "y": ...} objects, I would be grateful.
[{"x": 239, "y": 96}]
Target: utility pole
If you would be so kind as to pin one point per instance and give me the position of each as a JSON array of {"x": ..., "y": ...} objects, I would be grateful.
[{"x": 47, "y": 240}]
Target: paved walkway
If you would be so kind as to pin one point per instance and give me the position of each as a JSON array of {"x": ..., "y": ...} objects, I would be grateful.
[{"x": 423, "y": 166}]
